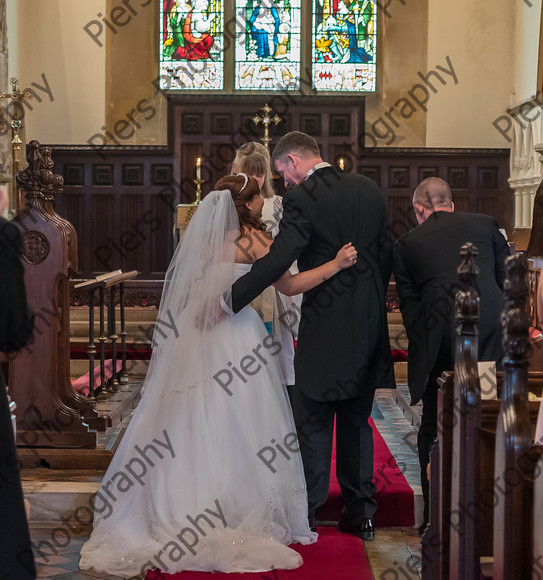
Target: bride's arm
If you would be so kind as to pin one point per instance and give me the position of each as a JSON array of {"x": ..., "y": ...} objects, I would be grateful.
[{"x": 303, "y": 281}]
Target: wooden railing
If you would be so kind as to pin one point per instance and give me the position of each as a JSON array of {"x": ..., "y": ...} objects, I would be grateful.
[{"x": 107, "y": 284}]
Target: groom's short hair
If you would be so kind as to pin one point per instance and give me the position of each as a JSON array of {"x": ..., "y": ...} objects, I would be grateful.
[{"x": 296, "y": 142}]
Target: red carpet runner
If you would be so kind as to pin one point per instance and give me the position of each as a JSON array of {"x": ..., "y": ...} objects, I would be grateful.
[
  {"x": 395, "y": 499},
  {"x": 334, "y": 556},
  {"x": 337, "y": 555}
]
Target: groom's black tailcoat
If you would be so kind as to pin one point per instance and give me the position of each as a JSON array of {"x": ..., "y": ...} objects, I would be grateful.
[
  {"x": 16, "y": 323},
  {"x": 343, "y": 351},
  {"x": 343, "y": 347}
]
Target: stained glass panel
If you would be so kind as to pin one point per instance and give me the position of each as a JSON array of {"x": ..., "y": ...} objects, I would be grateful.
[
  {"x": 267, "y": 44},
  {"x": 344, "y": 45},
  {"x": 192, "y": 44}
]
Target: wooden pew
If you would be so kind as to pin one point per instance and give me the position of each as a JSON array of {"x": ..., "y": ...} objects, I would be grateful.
[
  {"x": 516, "y": 456},
  {"x": 437, "y": 538},
  {"x": 469, "y": 499}
]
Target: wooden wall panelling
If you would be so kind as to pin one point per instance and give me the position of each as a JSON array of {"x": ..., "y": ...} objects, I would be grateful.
[
  {"x": 132, "y": 174},
  {"x": 104, "y": 255},
  {"x": 373, "y": 173},
  {"x": 345, "y": 118},
  {"x": 132, "y": 236},
  {"x": 461, "y": 202},
  {"x": 400, "y": 215},
  {"x": 222, "y": 155},
  {"x": 480, "y": 175},
  {"x": 425, "y": 172},
  {"x": 161, "y": 246},
  {"x": 101, "y": 214}
]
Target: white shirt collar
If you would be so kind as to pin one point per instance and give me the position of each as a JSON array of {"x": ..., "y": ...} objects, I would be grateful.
[{"x": 318, "y": 166}]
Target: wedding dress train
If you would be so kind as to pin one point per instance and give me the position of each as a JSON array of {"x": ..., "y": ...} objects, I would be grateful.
[{"x": 208, "y": 475}]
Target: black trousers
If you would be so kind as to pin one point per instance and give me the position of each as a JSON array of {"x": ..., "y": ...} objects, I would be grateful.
[
  {"x": 16, "y": 559},
  {"x": 428, "y": 428},
  {"x": 354, "y": 452}
]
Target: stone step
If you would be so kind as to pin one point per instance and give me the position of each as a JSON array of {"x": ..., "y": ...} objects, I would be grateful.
[
  {"x": 400, "y": 372},
  {"x": 397, "y": 337},
  {"x": 403, "y": 400},
  {"x": 394, "y": 317},
  {"x": 136, "y": 329}
]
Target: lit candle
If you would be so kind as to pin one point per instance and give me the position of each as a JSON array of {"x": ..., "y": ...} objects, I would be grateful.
[
  {"x": 341, "y": 163},
  {"x": 198, "y": 169}
]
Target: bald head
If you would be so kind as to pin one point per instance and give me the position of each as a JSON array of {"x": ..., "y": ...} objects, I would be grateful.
[{"x": 432, "y": 194}]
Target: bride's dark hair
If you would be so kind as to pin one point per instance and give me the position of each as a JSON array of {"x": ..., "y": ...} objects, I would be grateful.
[{"x": 241, "y": 195}]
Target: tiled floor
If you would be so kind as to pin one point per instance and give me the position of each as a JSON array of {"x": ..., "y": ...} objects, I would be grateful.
[
  {"x": 57, "y": 553},
  {"x": 394, "y": 554}
]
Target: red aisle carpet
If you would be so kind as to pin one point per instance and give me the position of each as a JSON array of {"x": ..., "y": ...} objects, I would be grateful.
[
  {"x": 334, "y": 556},
  {"x": 81, "y": 385},
  {"x": 395, "y": 499}
]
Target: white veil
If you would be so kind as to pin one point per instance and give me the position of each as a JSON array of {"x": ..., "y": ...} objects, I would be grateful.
[{"x": 201, "y": 270}]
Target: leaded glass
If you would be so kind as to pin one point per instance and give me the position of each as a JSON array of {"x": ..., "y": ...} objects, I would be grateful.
[
  {"x": 344, "y": 45},
  {"x": 192, "y": 44},
  {"x": 267, "y": 44}
]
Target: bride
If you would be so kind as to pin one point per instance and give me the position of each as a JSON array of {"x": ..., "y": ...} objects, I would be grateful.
[{"x": 208, "y": 475}]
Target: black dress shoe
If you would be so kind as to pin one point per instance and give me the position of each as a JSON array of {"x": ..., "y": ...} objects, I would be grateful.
[
  {"x": 313, "y": 528},
  {"x": 365, "y": 531}
]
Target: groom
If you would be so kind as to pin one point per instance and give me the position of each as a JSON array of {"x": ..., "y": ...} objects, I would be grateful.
[{"x": 343, "y": 351}]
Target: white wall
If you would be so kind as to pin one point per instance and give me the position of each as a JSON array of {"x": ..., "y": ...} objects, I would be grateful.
[
  {"x": 527, "y": 29},
  {"x": 478, "y": 36},
  {"x": 47, "y": 38}
]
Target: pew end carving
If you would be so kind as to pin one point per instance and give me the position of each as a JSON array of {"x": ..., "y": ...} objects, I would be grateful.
[{"x": 50, "y": 412}]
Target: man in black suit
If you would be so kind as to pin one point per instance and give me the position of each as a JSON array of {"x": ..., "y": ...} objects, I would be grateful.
[
  {"x": 16, "y": 324},
  {"x": 425, "y": 269},
  {"x": 343, "y": 351}
]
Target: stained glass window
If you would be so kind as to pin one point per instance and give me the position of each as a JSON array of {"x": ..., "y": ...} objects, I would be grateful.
[
  {"x": 192, "y": 44},
  {"x": 344, "y": 45},
  {"x": 267, "y": 44}
]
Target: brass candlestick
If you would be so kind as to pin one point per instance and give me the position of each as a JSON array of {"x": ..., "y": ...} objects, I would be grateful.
[
  {"x": 198, "y": 183},
  {"x": 185, "y": 211},
  {"x": 16, "y": 97}
]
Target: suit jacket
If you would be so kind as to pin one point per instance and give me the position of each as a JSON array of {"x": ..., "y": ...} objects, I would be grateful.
[
  {"x": 16, "y": 326},
  {"x": 425, "y": 269},
  {"x": 343, "y": 346}
]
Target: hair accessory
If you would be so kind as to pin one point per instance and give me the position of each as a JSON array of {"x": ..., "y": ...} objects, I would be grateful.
[{"x": 246, "y": 181}]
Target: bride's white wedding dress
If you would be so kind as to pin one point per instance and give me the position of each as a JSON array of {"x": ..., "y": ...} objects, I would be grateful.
[{"x": 208, "y": 475}]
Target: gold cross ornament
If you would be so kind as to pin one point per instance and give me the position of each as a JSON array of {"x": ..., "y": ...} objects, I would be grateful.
[{"x": 266, "y": 120}]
